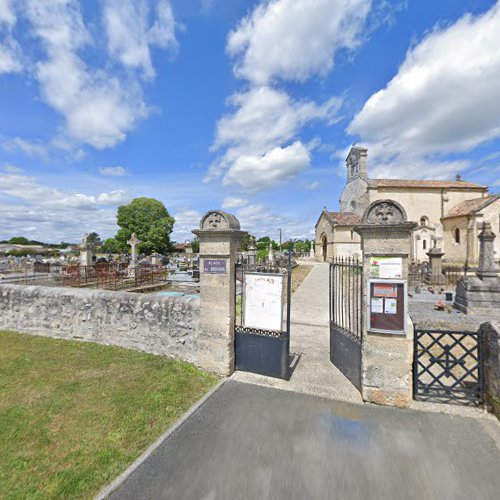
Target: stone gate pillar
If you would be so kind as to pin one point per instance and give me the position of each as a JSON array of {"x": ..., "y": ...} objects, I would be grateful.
[
  {"x": 220, "y": 239},
  {"x": 386, "y": 358}
]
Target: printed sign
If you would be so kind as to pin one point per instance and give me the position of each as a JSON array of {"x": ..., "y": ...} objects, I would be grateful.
[
  {"x": 383, "y": 290},
  {"x": 214, "y": 266},
  {"x": 377, "y": 305},
  {"x": 390, "y": 306},
  {"x": 386, "y": 267},
  {"x": 263, "y": 307}
]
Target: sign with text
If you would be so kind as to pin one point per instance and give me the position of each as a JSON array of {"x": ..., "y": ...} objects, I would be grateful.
[
  {"x": 387, "y": 306},
  {"x": 214, "y": 266},
  {"x": 386, "y": 267},
  {"x": 263, "y": 307}
]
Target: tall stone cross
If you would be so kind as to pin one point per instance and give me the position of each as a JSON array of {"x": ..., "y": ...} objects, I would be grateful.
[{"x": 133, "y": 242}]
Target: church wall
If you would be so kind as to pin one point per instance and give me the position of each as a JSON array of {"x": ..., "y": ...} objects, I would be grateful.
[
  {"x": 324, "y": 227},
  {"x": 491, "y": 214},
  {"x": 455, "y": 252},
  {"x": 347, "y": 242}
]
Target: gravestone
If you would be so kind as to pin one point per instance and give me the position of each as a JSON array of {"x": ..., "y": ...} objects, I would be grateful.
[
  {"x": 480, "y": 294},
  {"x": 386, "y": 358},
  {"x": 252, "y": 254},
  {"x": 86, "y": 252},
  {"x": 132, "y": 267},
  {"x": 220, "y": 238},
  {"x": 436, "y": 276}
]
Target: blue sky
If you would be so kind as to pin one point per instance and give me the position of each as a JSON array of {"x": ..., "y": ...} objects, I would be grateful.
[{"x": 249, "y": 106}]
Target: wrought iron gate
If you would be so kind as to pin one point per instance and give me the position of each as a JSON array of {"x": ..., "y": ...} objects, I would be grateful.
[
  {"x": 346, "y": 316},
  {"x": 262, "y": 350},
  {"x": 448, "y": 366}
]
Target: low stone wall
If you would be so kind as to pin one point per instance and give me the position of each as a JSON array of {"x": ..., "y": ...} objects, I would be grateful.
[
  {"x": 491, "y": 345},
  {"x": 159, "y": 325}
]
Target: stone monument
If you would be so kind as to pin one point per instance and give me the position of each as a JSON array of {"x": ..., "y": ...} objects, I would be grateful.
[
  {"x": 86, "y": 252},
  {"x": 132, "y": 267},
  {"x": 436, "y": 276},
  {"x": 480, "y": 294},
  {"x": 252, "y": 254},
  {"x": 220, "y": 238},
  {"x": 270, "y": 255},
  {"x": 311, "y": 253}
]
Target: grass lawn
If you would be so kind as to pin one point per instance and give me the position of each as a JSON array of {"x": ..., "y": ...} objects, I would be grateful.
[{"x": 73, "y": 415}]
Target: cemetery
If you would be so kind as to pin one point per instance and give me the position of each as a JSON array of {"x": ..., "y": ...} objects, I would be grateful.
[{"x": 249, "y": 250}]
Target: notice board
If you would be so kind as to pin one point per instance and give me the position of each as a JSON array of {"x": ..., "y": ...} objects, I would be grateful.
[
  {"x": 387, "y": 306},
  {"x": 263, "y": 304}
]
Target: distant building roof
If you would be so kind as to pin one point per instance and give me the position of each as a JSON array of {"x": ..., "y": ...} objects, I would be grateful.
[
  {"x": 471, "y": 206},
  {"x": 426, "y": 184},
  {"x": 343, "y": 218}
]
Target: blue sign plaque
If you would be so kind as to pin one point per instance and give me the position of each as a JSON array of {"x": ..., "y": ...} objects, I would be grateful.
[{"x": 214, "y": 266}]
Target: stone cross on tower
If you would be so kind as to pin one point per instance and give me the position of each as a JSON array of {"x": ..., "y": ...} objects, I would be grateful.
[{"x": 133, "y": 242}]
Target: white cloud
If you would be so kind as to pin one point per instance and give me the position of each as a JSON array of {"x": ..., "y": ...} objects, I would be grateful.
[
  {"x": 277, "y": 165},
  {"x": 312, "y": 186},
  {"x": 444, "y": 99},
  {"x": 50, "y": 214},
  {"x": 265, "y": 121},
  {"x": 113, "y": 171},
  {"x": 10, "y": 58},
  {"x": 185, "y": 221},
  {"x": 294, "y": 39},
  {"x": 30, "y": 148},
  {"x": 7, "y": 14},
  {"x": 131, "y": 30},
  {"x": 233, "y": 202},
  {"x": 98, "y": 108},
  {"x": 10, "y": 53}
]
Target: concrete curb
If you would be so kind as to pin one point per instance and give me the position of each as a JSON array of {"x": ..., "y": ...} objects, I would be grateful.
[{"x": 113, "y": 486}]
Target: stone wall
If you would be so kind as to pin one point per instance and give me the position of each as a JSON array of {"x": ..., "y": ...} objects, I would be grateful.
[
  {"x": 491, "y": 345},
  {"x": 159, "y": 325}
]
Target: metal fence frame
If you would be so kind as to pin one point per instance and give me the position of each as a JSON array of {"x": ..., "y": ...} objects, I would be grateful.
[{"x": 445, "y": 385}]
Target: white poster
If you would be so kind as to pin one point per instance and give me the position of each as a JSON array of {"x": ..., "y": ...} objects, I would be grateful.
[
  {"x": 391, "y": 306},
  {"x": 386, "y": 267},
  {"x": 377, "y": 305},
  {"x": 263, "y": 306}
]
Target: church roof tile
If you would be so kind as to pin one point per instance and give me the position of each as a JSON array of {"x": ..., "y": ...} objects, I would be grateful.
[
  {"x": 471, "y": 206},
  {"x": 408, "y": 183}
]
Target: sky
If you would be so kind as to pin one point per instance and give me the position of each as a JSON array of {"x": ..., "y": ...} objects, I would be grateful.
[{"x": 240, "y": 105}]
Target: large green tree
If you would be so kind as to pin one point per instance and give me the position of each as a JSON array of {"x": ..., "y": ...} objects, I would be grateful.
[{"x": 150, "y": 221}]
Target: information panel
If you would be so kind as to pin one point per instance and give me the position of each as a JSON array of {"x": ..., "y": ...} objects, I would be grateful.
[
  {"x": 387, "y": 306},
  {"x": 386, "y": 267},
  {"x": 263, "y": 307}
]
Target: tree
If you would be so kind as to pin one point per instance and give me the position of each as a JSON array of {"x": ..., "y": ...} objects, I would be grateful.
[
  {"x": 150, "y": 221},
  {"x": 195, "y": 245},
  {"x": 245, "y": 242},
  {"x": 111, "y": 245},
  {"x": 93, "y": 240},
  {"x": 19, "y": 240}
]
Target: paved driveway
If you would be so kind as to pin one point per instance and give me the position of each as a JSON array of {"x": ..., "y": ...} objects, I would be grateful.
[{"x": 254, "y": 442}]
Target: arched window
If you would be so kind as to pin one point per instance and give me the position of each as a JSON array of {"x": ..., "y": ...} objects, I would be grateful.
[
  {"x": 424, "y": 244},
  {"x": 353, "y": 205},
  {"x": 457, "y": 235},
  {"x": 352, "y": 234},
  {"x": 424, "y": 221}
]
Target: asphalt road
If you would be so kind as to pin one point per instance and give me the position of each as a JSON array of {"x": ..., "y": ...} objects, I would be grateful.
[{"x": 252, "y": 442}]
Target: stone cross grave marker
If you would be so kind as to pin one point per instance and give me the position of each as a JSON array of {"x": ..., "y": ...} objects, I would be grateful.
[{"x": 133, "y": 242}]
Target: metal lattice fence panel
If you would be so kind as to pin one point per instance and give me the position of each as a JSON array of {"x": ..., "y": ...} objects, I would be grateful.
[{"x": 447, "y": 366}]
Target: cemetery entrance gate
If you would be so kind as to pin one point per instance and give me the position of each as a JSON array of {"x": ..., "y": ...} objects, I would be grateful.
[
  {"x": 346, "y": 316},
  {"x": 262, "y": 318}
]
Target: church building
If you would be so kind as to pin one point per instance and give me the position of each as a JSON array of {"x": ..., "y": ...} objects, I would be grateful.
[{"x": 448, "y": 212}]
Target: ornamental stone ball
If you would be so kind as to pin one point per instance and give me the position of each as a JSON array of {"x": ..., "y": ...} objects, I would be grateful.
[
  {"x": 216, "y": 220},
  {"x": 384, "y": 212}
]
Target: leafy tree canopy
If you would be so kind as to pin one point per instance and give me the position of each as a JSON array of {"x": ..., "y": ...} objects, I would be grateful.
[
  {"x": 111, "y": 245},
  {"x": 150, "y": 221},
  {"x": 94, "y": 240}
]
